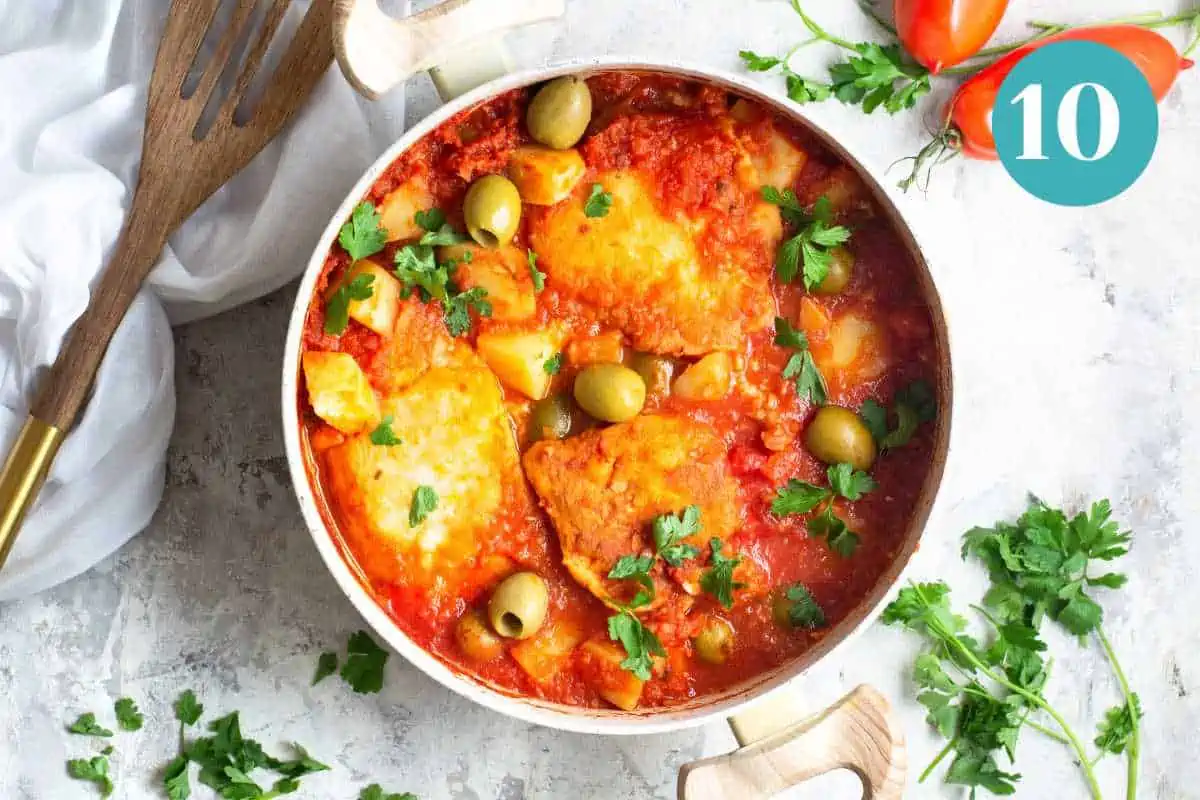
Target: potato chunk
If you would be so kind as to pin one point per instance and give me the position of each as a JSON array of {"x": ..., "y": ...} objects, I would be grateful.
[
  {"x": 543, "y": 176},
  {"x": 544, "y": 656},
  {"x": 377, "y": 312},
  {"x": 503, "y": 272},
  {"x": 339, "y": 391},
  {"x": 519, "y": 358},
  {"x": 601, "y": 667},
  {"x": 708, "y": 379},
  {"x": 399, "y": 209}
]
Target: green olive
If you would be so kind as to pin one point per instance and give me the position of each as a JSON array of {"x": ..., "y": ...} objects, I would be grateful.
[
  {"x": 476, "y": 639},
  {"x": 550, "y": 418},
  {"x": 841, "y": 269},
  {"x": 837, "y": 435},
  {"x": 560, "y": 112},
  {"x": 518, "y": 606},
  {"x": 492, "y": 210},
  {"x": 656, "y": 372},
  {"x": 715, "y": 641},
  {"x": 610, "y": 392}
]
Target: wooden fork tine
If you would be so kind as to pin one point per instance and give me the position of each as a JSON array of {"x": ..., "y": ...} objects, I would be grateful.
[
  {"x": 254, "y": 57},
  {"x": 187, "y": 23},
  {"x": 220, "y": 56},
  {"x": 308, "y": 55}
]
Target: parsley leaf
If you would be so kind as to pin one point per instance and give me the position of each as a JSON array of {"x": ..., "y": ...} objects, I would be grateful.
[
  {"x": 640, "y": 643},
  {"x": 757, "y": 63},
  {"x": 327, "y": 664},
  {"x": 430, "y": 219},
  {"x": 803, "y": 610},
  {"x": 803, "y": 90},
  {"x": 874, "y": 416},
  {"x": 718, "y": 580},
  {"x": 128, "y": 716},
  {"x": 365, "y": 660},
  {"x": 539, "y": 277},
  {"x": 598, "y": 202},
  {"x": 438, "y": 231},
  {"x": 911, "y": 405},
  {"x": 798, "y": 497},
  {"x": 94, "y": 770},
  {"x": 337, "y": 309},
  {"x": 850, "y": 483},
  {"x": 424, "y": 503},
  {"x": 458, "y": 319},
  {"x": 810, "y": 246},
  {"x": 631, "y": 566},
  {"x": 417, "y": 268},
  {"x": 553, "y": 364},
  {"x": 669, "y": 532},
  {"x": 879, "y": 75},
  {"x": 375, "y": 792},
  {"x": 86, "y": 725},
  {"x": 383, "y": 434},
  {"x": 175, "y": 779},
  {"x": 833, "y": 529},
  {"x": 187, "y": 710},
  {"x": 800, "y": 368},
  {"x": 1116, "y": 730},
  {"x": 801, "y": 497},
  {"x": 363, "y": 235}
]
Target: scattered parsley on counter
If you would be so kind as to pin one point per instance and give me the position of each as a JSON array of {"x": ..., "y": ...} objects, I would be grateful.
[
  {"x": 803, "y": 611},
  {"x": 539, "y": 277},
  {"x": 94, "y": 770},
  {"x": 801, "y": 497},
  {"x": 553, "y": 364},
  {"x": 363, "y": 235},
  {"x": 980, "y": 694},
  {"x": 806, "y": 252},
  {"x": 128, "y": 716},
  {"x": 424, "y": 502},
  {"x": 327, "y": 664},
  {"x": 337, "y": 310},
  {"x": 187, "y": 709},
  {"x": 383, "y": 435},
  {"x": 365, "y": 660},
  {"x": 375, "y": 792},
  {"x": 86, "y": 725},
  {"x": 598, "y": 202},
  {"x": 800, "y": 368},
  {"x": 911, "y": 405},
  {"x": 718, "y": 579}
]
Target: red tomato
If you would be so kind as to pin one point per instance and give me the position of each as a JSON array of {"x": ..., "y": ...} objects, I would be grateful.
[
  {"x": 942, "y": 33},
  {"x": 970, "y": 110}
]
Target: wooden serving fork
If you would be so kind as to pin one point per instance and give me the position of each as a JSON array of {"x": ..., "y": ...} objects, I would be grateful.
[{"x": 180, "y": 169}]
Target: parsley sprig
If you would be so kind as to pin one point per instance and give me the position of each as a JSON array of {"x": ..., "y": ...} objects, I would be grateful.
[
  {"x": 94, "y": 770},
  {"x": 872, "y": 75},
  {"x": 424, "y": 503},
  {"x": 911, "y": 405},
  {"x": 598, "y": 202},
  {"x": 803, "y": 611},
  {"x": 419, "y": 270},
  {"x": 807, "y": 251},
  {"x": 363, "y": 234},
  {"x": 337, "y": 309},
  {"x": 801, "y": 369},
  {"x": 383, "y": 435},
  {"x": 801, "y": 497},
  {"x": 980, "y": 696},
  {"x": 539, "y": 277},
  {"x": 718, "y": 580}
]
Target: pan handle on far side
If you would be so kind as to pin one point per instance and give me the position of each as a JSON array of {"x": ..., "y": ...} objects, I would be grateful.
[
  {"x": 455, "y": 40},
  {"x": 858, "y": 732}
]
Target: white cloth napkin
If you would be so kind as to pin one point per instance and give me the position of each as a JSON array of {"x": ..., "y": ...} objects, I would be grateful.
[{"x": 73, "y": 77}]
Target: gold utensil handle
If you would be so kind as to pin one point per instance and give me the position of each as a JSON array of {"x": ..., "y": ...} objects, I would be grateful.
[{"x": 22, "y": 476}]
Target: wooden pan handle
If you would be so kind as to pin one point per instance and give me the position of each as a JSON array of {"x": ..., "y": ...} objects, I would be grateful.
[
  {"x": 377, "y": 51},
  {"x": 858, "y": 732}
]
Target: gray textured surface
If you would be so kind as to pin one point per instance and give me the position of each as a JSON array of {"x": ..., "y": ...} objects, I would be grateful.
[{"x": 1076, "y": 335}]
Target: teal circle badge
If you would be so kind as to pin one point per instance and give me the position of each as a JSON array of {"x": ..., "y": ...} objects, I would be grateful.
[{"x": 1075, "y": 123}]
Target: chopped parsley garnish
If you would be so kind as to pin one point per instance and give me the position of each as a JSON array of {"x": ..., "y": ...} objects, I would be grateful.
[
  {"x": 365, "y": 660},
  {"x": 801, "y": 369},
  {"x": 363, "y": 235},
  {"x": 187, "y": 709},
  {"x": 456, "y": 313},
  {"x": 424, "y": 501},
  {"x": 86, "y": 725},
  {"x": 553, "y": 364},
  {"x": 337, "y": 310},
  {"x": 418, "y": 269},
  {"x": 803, "y": 609},
  {"x": 128, "y": 716},
  {"x": 806, "y": 252},
  {"x": 94, "y": 770},
  {"x": 598, "y": 202},
  {"x": 438, "y": 232},
  {"x": 640, "y": 643},
  {"x": 375, "y": 792},
  {"x": 539, "y": 277},
  {"x": 801, "y": 497},
  {"x": 383, "y": 434},
  {"x": 718, "y": 579},
  {"x": 911, "y": 405},
  {"x": 327, "y": 664},
  {"x": 979, "y": 694}
]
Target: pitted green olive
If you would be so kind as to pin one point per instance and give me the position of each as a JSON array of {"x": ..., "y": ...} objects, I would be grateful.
[
  {"x": 656, "y": 372},
  {"x": 492, "y": 210},
  {"x": 560, "y": 112},
  {"x": 610, "y": 392},
  {"x": 841, "y": 270},
  {"x": 838, "y": 435},
  {"x": 550, "y": 418},
  {"x": 476, "y": 639},
  {"x": 715, "y": 641},
  {"x": 518, "y": 606}
]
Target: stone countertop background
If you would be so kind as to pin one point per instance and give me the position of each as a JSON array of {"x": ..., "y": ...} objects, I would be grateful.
[{"x": 1076, "y": 335}]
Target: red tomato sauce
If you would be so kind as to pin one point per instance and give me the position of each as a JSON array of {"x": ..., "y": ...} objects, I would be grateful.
[{"x": 676, "y": 131}]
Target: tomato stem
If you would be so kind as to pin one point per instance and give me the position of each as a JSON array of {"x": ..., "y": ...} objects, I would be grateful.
[{"x": 942, "y": 147}]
